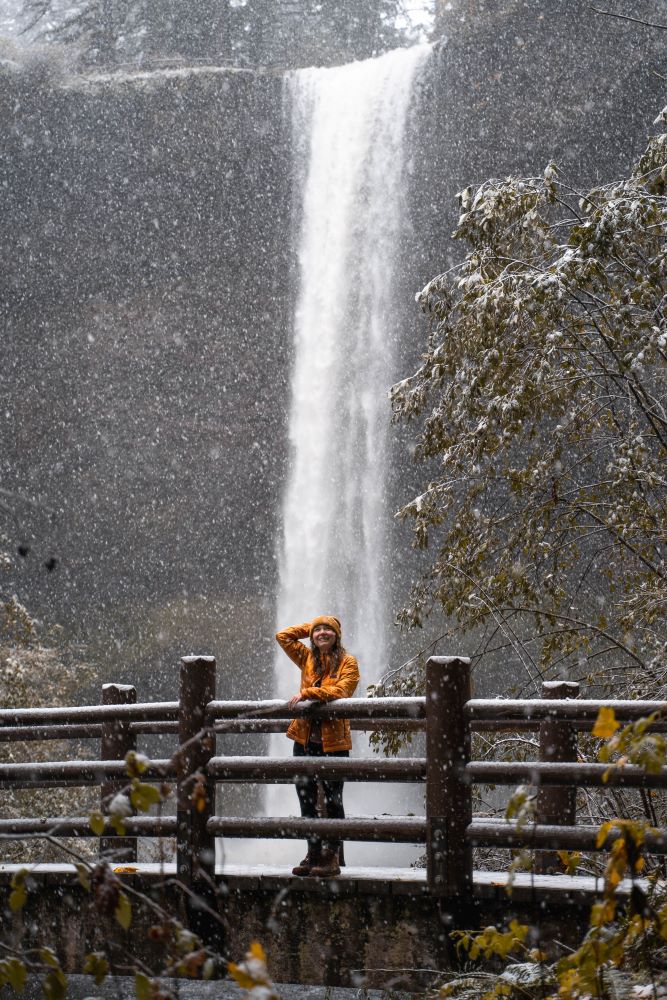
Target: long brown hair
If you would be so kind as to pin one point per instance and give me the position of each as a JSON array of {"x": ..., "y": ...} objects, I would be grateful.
[{"x": 336, "y": 655}]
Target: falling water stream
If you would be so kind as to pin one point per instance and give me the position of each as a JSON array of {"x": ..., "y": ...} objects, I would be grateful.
[
  {"x": 351, "y": 141},
  {"x": 349, "y": 128},
  {"x": 351, "y": 151}
]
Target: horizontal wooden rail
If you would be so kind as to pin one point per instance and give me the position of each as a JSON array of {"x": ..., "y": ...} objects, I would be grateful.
[
  {"x": 278, "y": 725},
  {"x": 55, "y": 774},
  {"x": 495, "y": 833},
  {"x": 256, "y": 769},
  {"x": 395, "y": 829},
  {"x": 342, "y": 708},
  {"x": 585, "y": 775},
  {"x": 160, "y": 718},
  {"x": 26, "y": 734},
  {"x": 278, "y": 769},
  {"x": 79, "y": 826},
  {"x": 567, "y": 710},
  {"x": 93, "y": 731},
  {"x": 64, "y": 731},
  {"x": 89, "y": 714}
]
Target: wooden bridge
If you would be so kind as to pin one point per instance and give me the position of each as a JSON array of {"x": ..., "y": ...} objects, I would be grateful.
[{"x": 369, "y": 902}]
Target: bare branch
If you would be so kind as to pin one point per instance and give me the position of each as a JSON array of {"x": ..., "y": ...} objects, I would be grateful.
[{"x": 626, "y": 17}]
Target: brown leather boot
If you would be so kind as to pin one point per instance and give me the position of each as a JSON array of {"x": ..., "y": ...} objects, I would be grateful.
[
  {"x": 305, "y": 867},
  {"x": 327, "y": 866}
]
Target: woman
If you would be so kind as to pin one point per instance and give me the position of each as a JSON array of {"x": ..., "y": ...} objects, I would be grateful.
[{"x": 327, "y": 672}]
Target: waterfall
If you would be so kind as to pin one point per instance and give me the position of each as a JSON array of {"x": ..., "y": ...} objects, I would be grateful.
[
  {"x": 350, "y": 134},
  {"x": 349, "y": 129}
]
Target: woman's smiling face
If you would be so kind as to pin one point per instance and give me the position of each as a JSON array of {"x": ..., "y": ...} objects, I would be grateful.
[{"x": 324, "y": 638}]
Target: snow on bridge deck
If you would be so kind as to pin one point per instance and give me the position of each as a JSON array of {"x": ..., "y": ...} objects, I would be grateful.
[{"x": 367, "y": 880}]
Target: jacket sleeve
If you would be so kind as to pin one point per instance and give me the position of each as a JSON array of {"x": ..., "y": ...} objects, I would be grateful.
[
  {"x": 343, "y": 685},
  {"x": 288, "y": 638}
]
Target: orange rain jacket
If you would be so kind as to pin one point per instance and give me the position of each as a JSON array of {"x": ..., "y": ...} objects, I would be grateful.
[{"x": 335, "y": 732}]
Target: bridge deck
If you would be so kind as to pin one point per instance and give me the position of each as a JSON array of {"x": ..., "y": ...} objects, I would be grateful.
[{"x": 368, "y": 880}]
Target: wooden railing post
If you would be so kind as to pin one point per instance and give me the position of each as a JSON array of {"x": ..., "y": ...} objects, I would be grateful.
[
  {"x": 448, "y": 796},
  {"x": 195, "y": 846},
  {"x": 556, "y": 804},
  {"x": 117, "y": 739}
]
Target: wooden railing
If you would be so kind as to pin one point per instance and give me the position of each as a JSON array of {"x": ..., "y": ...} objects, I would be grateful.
[
  {"x": 446, "y": 713},
  {"x": 556, "y": 775}
]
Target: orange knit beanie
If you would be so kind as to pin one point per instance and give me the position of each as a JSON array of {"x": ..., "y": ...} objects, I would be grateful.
[{"x": 329, "y": 620}]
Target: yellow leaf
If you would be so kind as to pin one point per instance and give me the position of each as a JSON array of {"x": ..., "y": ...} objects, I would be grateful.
[
  {"x": 198, "y": 797},
  {"x": 117, "y": 824},
  {"x": 49, "y": 958},
  {"x": 602, "y": 834},
  {"x": 96, "y": 965},
  {"x": 123, "y": 912},
  {"x": 144, "y": 796},
  {"x": 570, "y": 860},
  {"x": 54, "y": 986},
  {"x": 84, "y": 875},
  {"x": 16, "y": 973},
  {"x": 520, "y": 931},
  {"x": 142, "y": 986},
  {"x": 257, "y": 951},
  {"x": 245, "y": 981},
  {"x": 135, "y": 763},
  {"x": 17, "y": 898},
  {"x": 96, "y": 820},
  {"x": 605, "y": 724}
]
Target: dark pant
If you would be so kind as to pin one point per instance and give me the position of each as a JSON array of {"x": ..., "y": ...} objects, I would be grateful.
[{"x": 306, "y": 789}]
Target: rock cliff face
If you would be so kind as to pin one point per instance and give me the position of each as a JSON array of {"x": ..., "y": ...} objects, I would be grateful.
[{"x": 148, "y": 287}]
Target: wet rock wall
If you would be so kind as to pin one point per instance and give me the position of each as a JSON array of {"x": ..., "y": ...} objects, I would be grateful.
[{"x": 146, "y": 272}]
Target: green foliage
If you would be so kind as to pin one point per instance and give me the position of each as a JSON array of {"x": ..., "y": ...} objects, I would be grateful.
[
  {"x": 18, "y": 895},
  {"x": 521, "y": 808},
  {"x": 142, "y": 986},
  {"x": 405, "y": 681},
  {"x": 541, "y": 402},
  {"x": 143, "y": 796},
  {"x": 138, "y": 796},
  {"x": 612, "y": 932},
  {"x": 13, "y": 973},
  {"x": 491, "y": 942},
  {"x": 123, "y": 911},
  {"x": 233, "y": 32},
  {"x": 37, "y": 667},
  {"x": 97, "y": 966},
  {"x": 54, "y": 984},
  {"x": 406, "y": 684},
  {"x": 32, "y": 673},
  {"x": 16, "y": 625},
  {"x": 621, "y": 928},
  {"x": 96, "y": 820},
  {"x": 632, "y": 744}
]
